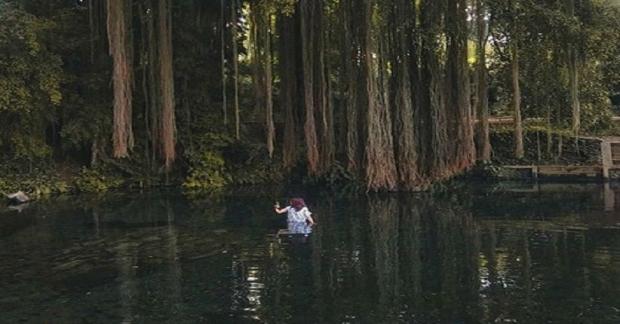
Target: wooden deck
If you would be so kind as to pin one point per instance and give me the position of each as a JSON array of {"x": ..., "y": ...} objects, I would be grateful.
[
  {"x": 509, "y": 120},
  {"x": 608, "y": 167},
  {"x": 556, "y": 171},
  {"x": 549, "y": 225}
]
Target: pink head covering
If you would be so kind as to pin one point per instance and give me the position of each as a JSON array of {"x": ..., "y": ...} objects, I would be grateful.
[{"x": 298, "y": 203}]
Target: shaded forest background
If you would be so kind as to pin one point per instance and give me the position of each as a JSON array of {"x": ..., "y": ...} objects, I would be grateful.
[{"x": 393, "y": 95}]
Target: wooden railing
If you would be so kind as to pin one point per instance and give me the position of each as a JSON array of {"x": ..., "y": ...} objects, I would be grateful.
[{"x": 507, "y": 120}]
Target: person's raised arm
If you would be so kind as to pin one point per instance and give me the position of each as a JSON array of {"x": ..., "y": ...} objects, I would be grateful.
[{"x": 280, "y": 210}]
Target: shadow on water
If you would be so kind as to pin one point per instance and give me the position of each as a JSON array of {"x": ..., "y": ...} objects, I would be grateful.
[{"x": 503, "y": 254}]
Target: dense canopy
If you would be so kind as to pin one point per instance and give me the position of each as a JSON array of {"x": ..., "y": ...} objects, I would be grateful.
[{"x": 394, "y": 94}]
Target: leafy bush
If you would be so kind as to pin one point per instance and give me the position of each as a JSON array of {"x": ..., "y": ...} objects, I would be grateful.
[
  {"x": 536, "y": 144},
  {"x": 206, "y": 172},
  {"x": 30, "y": 80},
  {"x": 334, "y": 176},
  {"x": 93, "y": 180},
  {"x": 36, "y": 184},
  {"x": 249, "y": 164},
  {"x": 257, "y": 174},
  {"x": 485, "y": 170}
]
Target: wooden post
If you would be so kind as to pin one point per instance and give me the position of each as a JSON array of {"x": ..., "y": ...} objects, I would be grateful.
[
  {"x": 535, "y": 172},
  {"x": 606, "y": 158},
  {"x": 609, "y": 196}
]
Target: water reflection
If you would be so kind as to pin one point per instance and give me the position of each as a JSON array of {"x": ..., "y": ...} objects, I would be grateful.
[{"x": 502, "y": 255}]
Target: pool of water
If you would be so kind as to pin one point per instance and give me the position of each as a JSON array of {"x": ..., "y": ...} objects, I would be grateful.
[{"x": 499, "y": 253}]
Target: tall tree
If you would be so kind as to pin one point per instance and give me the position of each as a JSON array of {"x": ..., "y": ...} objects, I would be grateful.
[
  {"x": 288, "y": 91},
  {"x": 482, "y": 82},
  {"x": 154, "y": 90},
  {"x": 321, "y": 89},
  {"x": 404, "y": 21},
  {"x": 381, "y": 171},
  {"x": 573, "y": 70},
  {"x": 223, "y": 61},
  {"x": 119, "y": 38},
  {"x": 352, "y": 71},
  {"x": 516, "y": 89},
  {"x": 263, "y": 77},
  {"x": 433, "y": 139},
  {"x": 235, "y": 63},
  {"x": 306, "y": 10},
  {"x": 458, "y": 87},
  {"x": 166, "y": 83}
]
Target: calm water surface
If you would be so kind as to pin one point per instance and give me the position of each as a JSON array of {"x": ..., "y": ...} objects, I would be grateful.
[{"x": 481, "y": 254}]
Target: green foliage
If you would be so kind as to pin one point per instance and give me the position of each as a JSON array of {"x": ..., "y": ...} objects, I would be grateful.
[
  {"x": 31, "y": 74},
  {"x": 30, "y": 77},
  {"x": 256, "y": 174},
  {"x": 27, "y": 148},
  {"x": 93, "y": 180},
  {"x": 55, "y": 98},
  {"x": 337, "y": 175},
  {"x": 36, "y": 185},
  {"x": 543, "y": 55},
  {"x": 485, "y": 170},
  {"x": 206, "y": 163},
  {"x": 249, "y": 164},
  {"x": 206, "y": 172},
  {"x": 538, "y": 151}
]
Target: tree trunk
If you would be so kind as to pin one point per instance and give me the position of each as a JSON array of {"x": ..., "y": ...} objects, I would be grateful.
[
  {"x": 91, "y": 28},
  {"x": 573, "y": 76},
  {"x": 381, "y": 171},
  {"x": 321, "y": 102},
  {"x": 457, "y": 85},
  {"x": 307, "y": 37},
  {"x": 269, "y": 124},
  {"x": 145, "y": 66},
  {"x": 166, "y": 84},
  {"x": 119, "y": 29},
  {"x": 235, "y": 62},
  {"x": 482, "y": 73},
  {"x": 432, "y": 134},
  {"x": 516, "y": 90},
  {"x": 288, "y": 91},
  {"x": 404, "y": 128},
  {"x": 223, "y": 61},
  {"x": 516, "y": 102},
  {"x": 154, "y": 91},
  {"x": 351, "y": 57},
  {"x": 261, "y": 42}
]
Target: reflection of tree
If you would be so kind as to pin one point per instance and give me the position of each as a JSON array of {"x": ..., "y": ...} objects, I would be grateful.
[
  {"x": 489, "y": 277},
  {"x": 323, "y": 271},
  {"x": 457, "y": 253},
  {"x": 421, "y": 257},
  {"x": 383, "y": 220},
  {"x": 376, "y": 259},
  {"x": 126, "y": 259},
  {"x": 410, "y": 244},
  {"x": 173, "y": 289},
  {"x": 537, "y": 274}
]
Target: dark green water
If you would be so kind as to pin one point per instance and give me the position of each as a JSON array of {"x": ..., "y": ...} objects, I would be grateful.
[{"x": 502, "y": 254}]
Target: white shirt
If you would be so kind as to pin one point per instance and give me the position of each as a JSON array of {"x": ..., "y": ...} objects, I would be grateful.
[{"x": 298, "y": 216}]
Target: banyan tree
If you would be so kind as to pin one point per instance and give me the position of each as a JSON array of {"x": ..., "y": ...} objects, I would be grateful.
[{"x": 381, "y": 88}]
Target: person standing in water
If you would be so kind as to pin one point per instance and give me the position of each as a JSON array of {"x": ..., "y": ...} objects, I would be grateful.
[{"x": 297, "y": 212}]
